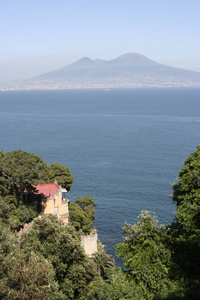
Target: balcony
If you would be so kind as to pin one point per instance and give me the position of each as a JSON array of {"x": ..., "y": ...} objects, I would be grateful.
[{"x": 64, "y": 196}]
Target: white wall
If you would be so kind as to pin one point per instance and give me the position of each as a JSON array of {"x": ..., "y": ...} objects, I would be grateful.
[{"x": 89, "y": 243}]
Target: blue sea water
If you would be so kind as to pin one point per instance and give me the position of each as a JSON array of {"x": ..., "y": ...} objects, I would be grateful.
[{"x": 123, "y": 146}]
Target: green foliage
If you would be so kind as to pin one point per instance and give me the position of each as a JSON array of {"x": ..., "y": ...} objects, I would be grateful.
[
  {"x": 62, "y": 175},
  {"x": 24, "y": 275},
  {"x": 20, "y": 215},
  {"x": 15, "y": 215},
  {"x": 105, "y": 264},
  {"x": 82, "y": 213},
  {"x": 186, "y": 195},
  {"x": 7, "y": 241},
  {"x": 185, "y": 232},
  {"x": 166, "y": 260},
  {"x": 118, "y": 288},
  {"x": 87, "y": 205},
  {"x": 47, "y": 261},
  {"x": 27, "y": 276},
  {"x": 60, "y": 245},
  {"x": 146, "y": 257},
  {"x": 4, "y": 210},
  {"x": 78, "y": 218},
  {"x": 20, "y": 170}
]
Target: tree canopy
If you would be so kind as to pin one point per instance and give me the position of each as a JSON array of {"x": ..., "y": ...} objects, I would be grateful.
[
  {"x": 185, "y": 231},
  {"x": 186, "y": 194},
  {"x": 27, "y": 276},
  {"x": 146, "y": 257},
  {"x": 166, "y": 260},
  {"x": 20, "y": 171},
  {"x": 82, "y": 213},
  {"x": 47, "y": 262},
  {"x": 44, "y": 262},
  {"x": 62, "y": 175},
  {"x": 60, "y": 245},
  {"x": 87, "y": 205}
]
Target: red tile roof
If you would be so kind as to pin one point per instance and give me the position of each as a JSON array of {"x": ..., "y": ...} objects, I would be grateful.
[{"x": 48, "y": 190}]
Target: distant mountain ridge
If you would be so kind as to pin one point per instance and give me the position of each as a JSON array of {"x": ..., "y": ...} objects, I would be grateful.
[
  {"x": 126, "y": 63},
  {"x": 129, "y": 70}
]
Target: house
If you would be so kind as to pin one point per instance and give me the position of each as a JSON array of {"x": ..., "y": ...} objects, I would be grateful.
[{"x": 54, "y": 200}]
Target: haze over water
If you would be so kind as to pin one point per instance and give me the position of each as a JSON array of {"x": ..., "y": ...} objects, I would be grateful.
[{"x": 123, "y": 146}]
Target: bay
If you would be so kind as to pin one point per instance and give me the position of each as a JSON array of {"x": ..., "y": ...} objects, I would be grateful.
[{"x": 123, "y": 146}]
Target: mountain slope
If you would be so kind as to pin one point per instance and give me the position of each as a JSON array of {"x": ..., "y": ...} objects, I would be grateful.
[
  {"x": 125, "y": 70},
  {"x": 128, "y": 70},
  {"x": 127, "y": 63}
]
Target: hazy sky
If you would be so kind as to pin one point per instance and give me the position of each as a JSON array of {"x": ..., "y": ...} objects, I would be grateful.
[{"x": 38, "y": 36}]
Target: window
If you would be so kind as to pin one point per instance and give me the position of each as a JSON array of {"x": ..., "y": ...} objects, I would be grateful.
[{"x": 64, "y": 196}]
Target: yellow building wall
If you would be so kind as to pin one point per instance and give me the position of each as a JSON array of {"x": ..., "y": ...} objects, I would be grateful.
[
  {"x": 56, "y": 206},
  {"x": 49, "y": 207},
  {"x": 62, "y": 208},
  {"x": 58, "y": 199}
]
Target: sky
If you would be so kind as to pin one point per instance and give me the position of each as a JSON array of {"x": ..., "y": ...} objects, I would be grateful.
[{"x": 38, "y": 36}]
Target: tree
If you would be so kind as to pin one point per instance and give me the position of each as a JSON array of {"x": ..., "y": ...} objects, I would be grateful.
[
  {"x": 78, "y": 218},
  {"x": 104, "y": 263},
  {"x": 5, "y": 210},
  {"x": 82, "y": 213},
  {"x": 145, "y": 254},
  {"x": 117, "y": 288},
  {"x": 185, "y": 231},
  {"x": 7, "y": 241},
  {"x": 186, "y": 194},
  {"x": 23, "y": 275},
  {"x": 62, "y": 174},
  {"x": 60, "y": 245},
  {"x": 166, "y": 260},
  {"x": 20, "y": 170},
  {"x": 1, "y": 152},
  {"x": 87, "y": 205},
  {"x": 27, "y": 276}
]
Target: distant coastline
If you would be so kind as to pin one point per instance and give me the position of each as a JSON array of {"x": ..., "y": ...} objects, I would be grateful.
[
  {"x": 27, "y": 86},
  {"x": 131, "y": 70}
]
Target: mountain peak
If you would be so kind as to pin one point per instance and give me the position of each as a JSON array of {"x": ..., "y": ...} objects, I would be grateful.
[
  {"x": 83, "y": 62},
  {"x": 127, "y": 70},
  {"x": 134, "y": 57},
  {"x": 85, "y": 58}
]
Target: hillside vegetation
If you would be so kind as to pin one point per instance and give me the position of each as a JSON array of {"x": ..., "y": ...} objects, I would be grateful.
[{"x": 46, "y": 261}]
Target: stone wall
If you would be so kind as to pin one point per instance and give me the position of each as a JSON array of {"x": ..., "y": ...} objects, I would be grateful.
[{"x": 89, "y": 243}]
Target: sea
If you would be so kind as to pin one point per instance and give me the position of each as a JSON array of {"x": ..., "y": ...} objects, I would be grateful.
[{"x": 124, "y": 146}]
